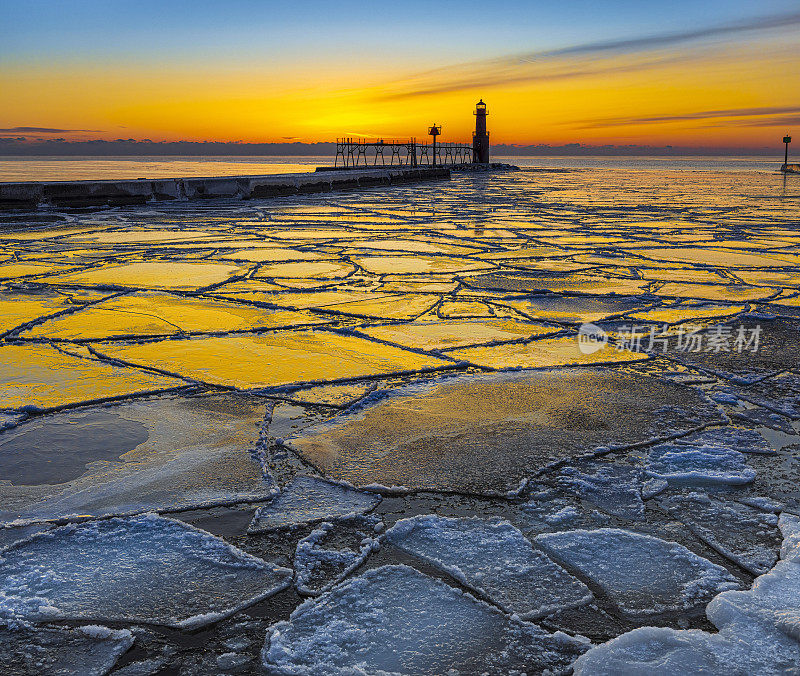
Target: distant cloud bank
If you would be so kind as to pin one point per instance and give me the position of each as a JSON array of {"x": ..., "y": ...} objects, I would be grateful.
[{"x": 20, "y": 146}]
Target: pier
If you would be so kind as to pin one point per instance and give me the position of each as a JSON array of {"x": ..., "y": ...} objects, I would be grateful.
[
  {"x": 407, "y": 161},
  {"x": 25, "y": 195}
]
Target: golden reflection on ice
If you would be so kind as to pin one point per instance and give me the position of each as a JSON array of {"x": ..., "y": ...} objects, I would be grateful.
[
  {"x": 545, "y": 352},
  {"x": 687, "y": 311},
  {"x": 146, "y": 313},
  {"x": 443, "y": 335},
  {"x": 728, "y": 292},
  {"x": 40, "y": 376},
  {"x": 18, "y": 308},
  {"x": 270, "y": 359},
  {"x": 157, "y": 274},
  {"x": 415, "y": 265}
]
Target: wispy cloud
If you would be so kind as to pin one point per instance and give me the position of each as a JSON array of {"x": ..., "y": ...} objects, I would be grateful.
[
  {"x": 44, "y": 130},
  {"x": 659, "y": 41},
  {"x": 765, "y": 117},
  {"x": 582, "y": 60}
]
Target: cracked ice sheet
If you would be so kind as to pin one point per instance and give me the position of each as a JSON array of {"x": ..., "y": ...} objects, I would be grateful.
[
  {"x": 758, "y": 631},
  {"x": 273, "y": 359},
  {"x": 144, "y": 569},
  {"x": 332, "y": 551},
  {"x": 337, "y": 396},
  {"x": 15, "y": 270},
  {"x": 487, "y": 433},
  {"x": 616, "y": 489},
  {"x": 394, "y": 620},
  {"x": 737, "y": 438},
  {"x": 493, "y": 558},
  {"x": 720, "y": 257},
  {"x": 744, "y": 535},
  {"x": 544, "y": 353},
  {"x": 308, "y": 499},
  {"x": 727, "y": 292},
  {"x": 418, "y": 264},
  {"x": 778, "y": 349},
  {"x": 642, "y": 575},
  {"x": 438, "y": 335},
  {"x": 18, "y": 308},
  {"x": 303, "y": 270},
  {"x": 575, "y": 283},
  {"x": 41, "y": 377},
  {"x": 157, "y": 314},
  {"x": 162, "y": 454},
  {"x": 89, "y": 651},
  {"x": 383, "y": 306},
  {"x": 574, "y": 309},
  {"x": 684, "y": 312},
  {"x": 691, "y": 465},
  {"x": 780, "y": 394},
  {"x": 155, "y": 274}
]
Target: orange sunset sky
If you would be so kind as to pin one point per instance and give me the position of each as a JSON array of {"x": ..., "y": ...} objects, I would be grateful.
[{"x": 720, "y": 74}]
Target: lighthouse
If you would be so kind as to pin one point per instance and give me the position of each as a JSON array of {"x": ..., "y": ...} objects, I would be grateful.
[{"x": 480, "y": 139}]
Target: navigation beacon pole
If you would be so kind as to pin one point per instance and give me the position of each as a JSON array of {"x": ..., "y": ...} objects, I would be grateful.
[
  {"x": 480, "y": 139},
  {"x": 786, "y": 140}
]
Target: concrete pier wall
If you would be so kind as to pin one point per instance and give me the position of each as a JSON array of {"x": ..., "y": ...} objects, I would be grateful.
[{"x": 24, "y": 195}]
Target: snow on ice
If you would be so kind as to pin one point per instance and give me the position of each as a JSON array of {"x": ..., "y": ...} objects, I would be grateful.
[
  {"x": 690, "y": 465},
  {"x": 308, "y": 499},
  {"x": 493, "y": 558},
  {"x": 395, "y": 620},
  {"x": 332, "y": 551},
  {"x": 613, "y": 488},
  {"x": 759, "y": 631},
  {"x": 747, "y": 536},
  {"x": 141, "y": 569},
  {"x": 641, "y": 574},
  {"x": 89, "y": 650}
]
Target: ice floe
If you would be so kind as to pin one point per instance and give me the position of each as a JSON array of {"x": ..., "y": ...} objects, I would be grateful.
[
  {"x": 152, "y": 274},
  {"x": 144, "y": 569},
  {"x": 146, "y": 313},
  {"x": 699, "y": 465},
  {"x": 615, "y": 489},
  {"x": 395, "y": 620},
  {"x": 746, "y": 536},
  {"x": 160, "y": 454},
  {"x": 642, "y": 575},
  {"x": 544, "y": 353},
  {"x": 736, "y": 438},
  {"x": 759, "y": 631},
  {"x": 768, "y": 347},
  {"x": 488, "y": 433},
  {"x": 89, "y": 651},
  {"x": 38, "y": 377},
  {"x": 308, "y": 499},
  {"x": 332, "y": 551},
  {"x": 493, "y": 558},
  {"x": 255, "y": 361}
]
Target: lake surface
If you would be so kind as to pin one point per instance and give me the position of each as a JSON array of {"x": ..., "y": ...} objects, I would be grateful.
[
  {"x": 100, "y": 168},
  {"x": 596, "y": 355}
]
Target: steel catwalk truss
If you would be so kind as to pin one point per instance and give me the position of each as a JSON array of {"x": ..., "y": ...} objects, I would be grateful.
[{"x": 355, "y": 152}]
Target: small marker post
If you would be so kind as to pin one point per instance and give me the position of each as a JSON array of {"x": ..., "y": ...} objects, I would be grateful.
[{"x": 786, "y": 140}]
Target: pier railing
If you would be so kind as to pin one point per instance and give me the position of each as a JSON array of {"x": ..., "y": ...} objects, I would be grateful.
[{"x": 355, "y": 152}]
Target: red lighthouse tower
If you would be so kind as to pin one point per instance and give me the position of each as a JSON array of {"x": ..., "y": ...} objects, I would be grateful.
[{"x": 480, "y": 139}]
